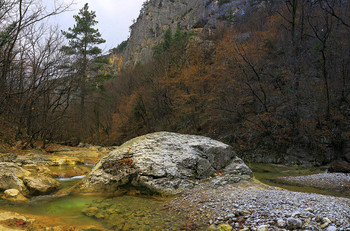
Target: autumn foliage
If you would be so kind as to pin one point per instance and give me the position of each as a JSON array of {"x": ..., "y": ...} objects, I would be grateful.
[{"x": 272, "y": 80}]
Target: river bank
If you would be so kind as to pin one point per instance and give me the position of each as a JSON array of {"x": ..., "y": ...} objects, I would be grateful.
[{"x": 254, "y": 206}]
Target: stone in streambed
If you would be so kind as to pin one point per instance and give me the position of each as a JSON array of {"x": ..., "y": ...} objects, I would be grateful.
[
  {"x": 10, "y": 176},
  {"x": 13, "y": 195},
  {"x": 41, "y": 185},
  {"x": 165, "y": 163}
]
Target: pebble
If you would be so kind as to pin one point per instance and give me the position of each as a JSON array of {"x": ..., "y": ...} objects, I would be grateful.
[
  {"x": 224, "y": 227},
  {"x": 281, "y": 223},
  {"x": 263, "y": 228},
  {"x": 293, "y": 223},
  {"x": 332, "y": 228}
]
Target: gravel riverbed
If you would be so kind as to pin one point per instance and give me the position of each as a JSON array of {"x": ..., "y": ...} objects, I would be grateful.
[
  {"x": 332, "y": 181},
  {"x": 254, "y": 206}
]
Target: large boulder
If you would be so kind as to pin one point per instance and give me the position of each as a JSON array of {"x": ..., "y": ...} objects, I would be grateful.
[
  {"x": 9, "y": 180},
  {"x": 6, "y": 167},
  {"x": 41, "y": 184},
  {"x": 10, "y": 176},
  {"x": 163, "y": 162}
]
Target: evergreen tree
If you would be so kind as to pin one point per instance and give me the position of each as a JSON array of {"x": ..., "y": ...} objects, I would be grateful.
[{"x": 83, "y": 39}]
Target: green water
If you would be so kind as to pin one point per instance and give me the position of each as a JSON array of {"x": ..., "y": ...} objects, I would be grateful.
[
  {"x": 66, "y": 208},
  {"x": 269, "y": 174},
  {"x": 114, "y": 213},
  {"x": 135, "y": 213}
]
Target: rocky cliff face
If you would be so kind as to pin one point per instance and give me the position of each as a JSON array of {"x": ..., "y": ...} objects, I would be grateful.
[{"x": 157, "y": 16}]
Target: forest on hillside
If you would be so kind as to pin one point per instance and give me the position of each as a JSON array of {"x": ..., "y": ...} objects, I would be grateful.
[{"x": 273, "y": 80}]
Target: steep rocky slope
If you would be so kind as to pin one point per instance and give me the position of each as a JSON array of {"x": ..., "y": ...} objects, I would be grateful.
[{"x": 157, "y": 16}]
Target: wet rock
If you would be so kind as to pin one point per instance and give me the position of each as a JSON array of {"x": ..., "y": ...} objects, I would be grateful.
[
  {"x": 13, "y": 195},
  {"x": 41, "y": 185},
  {"x": 164, "y": 162},
  {"x": 91, "y": 211}
]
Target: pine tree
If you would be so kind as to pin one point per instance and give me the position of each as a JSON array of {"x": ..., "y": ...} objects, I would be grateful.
[{"x": 83, "y": 39}]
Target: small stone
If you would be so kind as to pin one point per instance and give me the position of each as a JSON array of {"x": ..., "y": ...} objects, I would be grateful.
[
  {"x": 11, "y": 193},
  {"x": 224, "y": 227},
  {"x": 294, "y": 223},
  {"x": 296, "y": 214},
  {"x": 281, "y": 223},
  {"x": 326, "y": 220},
  {"x": 263, "y": 228},
  {"x": 212, "y": 228},
  {"x": 318, "y": 218},
  {"x": 230, "y": 215},
  {"x": 14, "y": 195},
  {"x": 332, "y": 228}
]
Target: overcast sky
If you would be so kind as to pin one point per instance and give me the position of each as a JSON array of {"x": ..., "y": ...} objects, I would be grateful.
[{"x": 114, "y": 18}]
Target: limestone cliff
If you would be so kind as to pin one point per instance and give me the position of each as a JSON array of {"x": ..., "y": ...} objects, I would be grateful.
[{"x": 157, "y": 16}]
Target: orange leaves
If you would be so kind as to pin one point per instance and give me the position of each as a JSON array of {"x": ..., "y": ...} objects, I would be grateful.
[{"x": 126, "y": 162}]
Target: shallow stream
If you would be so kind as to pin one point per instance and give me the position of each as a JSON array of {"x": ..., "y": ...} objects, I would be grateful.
[
  {"x": 114, "y": 213},
  {"x": 137, "y": 212}
]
